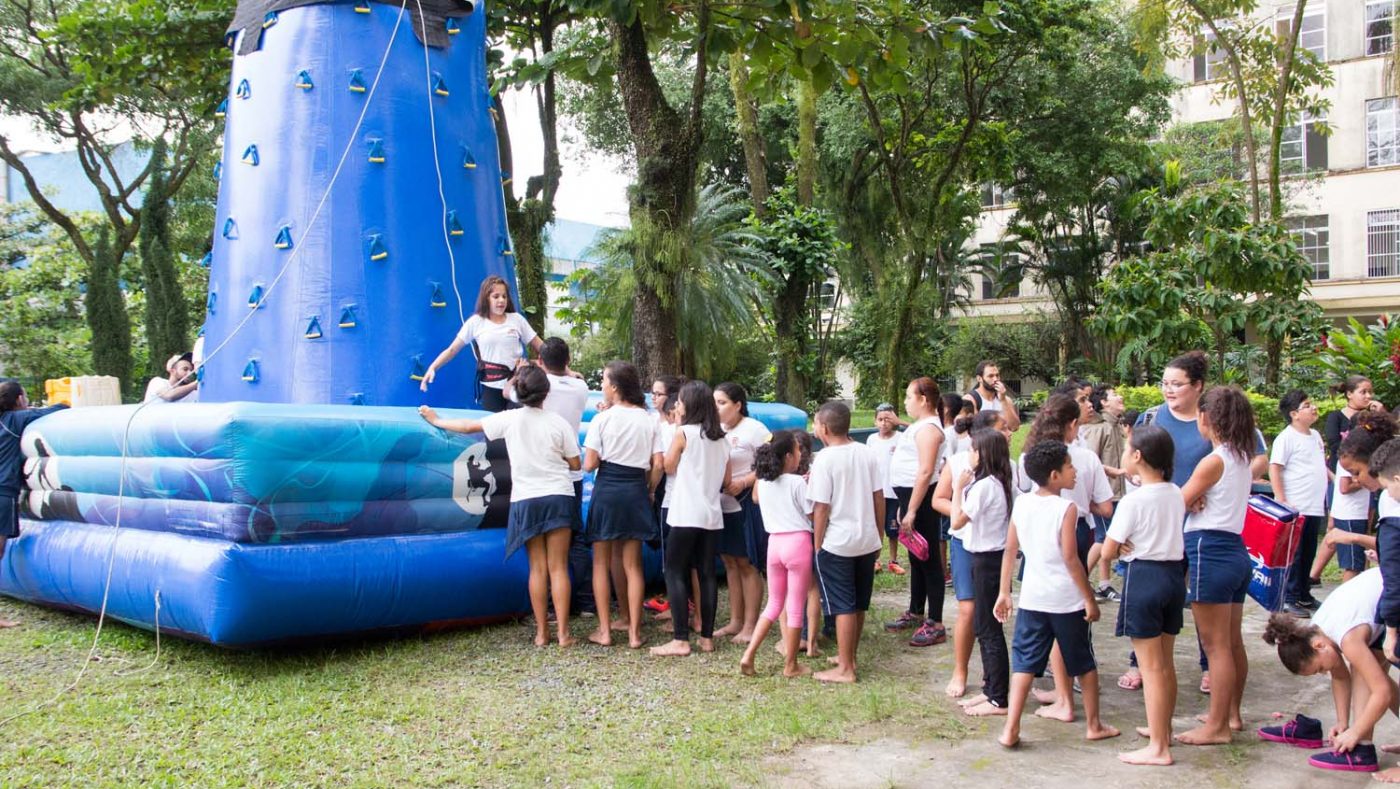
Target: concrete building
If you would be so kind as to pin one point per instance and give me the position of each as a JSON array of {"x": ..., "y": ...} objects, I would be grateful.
[{"x": 1343, "y": 187}]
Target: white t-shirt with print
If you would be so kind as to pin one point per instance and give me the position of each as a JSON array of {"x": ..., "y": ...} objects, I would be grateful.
[
  {"x": 1353, "y": 506},
  {"x": 499, "y": 343},
  {"x": 784, "y": 504},
  {"x": 1047, "y": 585},
  {"x": 743, "y": 439},
  {"x": 884, "y": 452},
  {"x": 1091, "y": 484},
  {"x": 988, "y": 512},
  {"x": 623, "y": 435},
  {"x": 1304, "y": 462},
  {"x": 1150, "y": 517},
  {"x": 846, "y": 477},
  {"x": 538, "y": 443}
]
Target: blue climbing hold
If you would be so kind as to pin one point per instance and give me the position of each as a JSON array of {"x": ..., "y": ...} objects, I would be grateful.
[
  {"x": 207, "y": 260},
  {"x": 418, "y": 369},
  {"x": 255, "y": 297},
  {"x": 269, "y": 19},
  {"x": 505, "y": 177},
  {"x": 250, "y": 371},
  {"x": 362, "y": 7},
  {"x": 454, "y": 225},
  {"x": 250, "y": 156},
  {"x": 347, "y": 317},
  {"x": 210, "y": 301},
  {"x": 439, "y": 85},
  {"x": 313, "y": 329},
  {"x": 304, "y": 80},
  {"x": 244, "y": 90},
  {"x": 230, "y": 229},
  {"x": 438, "y": 300},
  {"x": 453, "y": 27},
  {"x": 357, "y": 81},
  {"x": 222, "y": 109},
  {"x": 468, "y": 161},
  {"x": 376, "y": 150},
  {"x": 218, "y": 170},
  {"x": 284, "y": 238},
  {"x": 506, "y": 251},
  {"x": 377, "y": 250}
]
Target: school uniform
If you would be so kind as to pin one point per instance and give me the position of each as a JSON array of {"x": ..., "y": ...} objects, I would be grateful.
[
  {"x": 1219, "y": 568},
  {"x": 1090, "y": 487},
  {"x": 846, "y": 477},
  {"x": 884, "y": 452},
  {"x": 696, "y": 521},
  {"x": 740, "y": 515},
  {"x": 542, "y": 491},
  {"x": 12, "y": 425},
  {"x": 1388, "y": 547},
  {"x": 500, "y": 344},
  {"x": 983, "y": 539},
  {"x": 1051, "y": 605},
  {"x": 1154, "y": 584},
  {"x": 1304, "y": 482},
  {"x": 787, "y": 517},
  {"x": 925, "y": 577},
  {"x": 959, "y": 561},
  {"x": 623, "y": 438},
  {"x": 1352, "y": 605},
  {"x": 1351, "y": 512}
]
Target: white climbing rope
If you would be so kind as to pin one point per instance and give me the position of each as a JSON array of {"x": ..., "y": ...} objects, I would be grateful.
[{"x": 437, "y": 165}]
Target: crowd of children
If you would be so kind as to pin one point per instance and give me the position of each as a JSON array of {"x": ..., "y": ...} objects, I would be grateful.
[{"x": 1162, "y": 496}]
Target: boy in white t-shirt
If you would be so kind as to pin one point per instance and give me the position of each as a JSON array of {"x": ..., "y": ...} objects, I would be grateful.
[
  {"x": 848, "y": 505},
  {"x": 883, "y": 444},
  {"x": 1299, "y": 476},
  {"x": 1056, "y": 605}
]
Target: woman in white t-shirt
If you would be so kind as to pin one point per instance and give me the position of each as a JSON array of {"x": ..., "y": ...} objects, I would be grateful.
[
  {"x": 781, "y": 493},
  {"x": 618, "y": 449},
  {"x": 744, "y": 544},
  {"x": 499, "y": 336},
  {"x": 698, "y": 462},
  {"x": 543, "y": 449}
]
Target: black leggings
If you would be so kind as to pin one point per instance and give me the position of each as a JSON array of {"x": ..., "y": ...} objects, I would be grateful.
[
  {"x": 991, "y": 638},
  {"x": 925, "y": 577},
  {"x": 689, "y": 548},
  {"x": 494, "y": 400}
]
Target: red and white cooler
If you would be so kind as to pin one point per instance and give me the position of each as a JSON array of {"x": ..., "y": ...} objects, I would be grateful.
[{"x": 1272, "y": 532}]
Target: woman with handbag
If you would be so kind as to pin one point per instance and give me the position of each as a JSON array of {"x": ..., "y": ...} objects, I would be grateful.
[{"x": 499, "y": 337}]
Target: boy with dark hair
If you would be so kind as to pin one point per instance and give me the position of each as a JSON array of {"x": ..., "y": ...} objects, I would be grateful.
[
  {"x": 882, "y": 444},
  {"x": 1384, "y": 468},
  {"x": 848, "y": 498},
  {"x": 1056, "y": 602},
  {"x": 1299, "y": 477}
]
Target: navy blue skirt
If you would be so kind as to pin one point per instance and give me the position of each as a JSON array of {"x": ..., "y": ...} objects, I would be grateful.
[
  {"x": 620, "y": 508},
  {"x": 533, "y": 517}
]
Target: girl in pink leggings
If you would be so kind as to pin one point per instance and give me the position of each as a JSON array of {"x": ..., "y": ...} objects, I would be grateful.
[{"x": 781, "y": 494}]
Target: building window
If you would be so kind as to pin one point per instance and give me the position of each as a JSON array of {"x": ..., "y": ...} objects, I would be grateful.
[
  {"x": 1380, "y": 20},
  {"x": 1312, "y": 35},
  {"x": 1311, "y": 234},
  {"x": 1001, "y": 273},
  {"x": 826, "y": 295},
  {"x": 1382, "y": 125},
  {"x": 1304, "y": 145},
  {"x": 997, "y": 196},
  {"x": 1210, "y": 61},
  {"x": 1383, "y": 243}
]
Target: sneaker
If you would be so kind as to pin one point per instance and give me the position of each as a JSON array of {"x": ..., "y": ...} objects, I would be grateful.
[
  {"x": 895, "y": 568},
  {"x": 1311, "y": 603},
  {"x": 1302, "y": 732},
  {"x": 1107, "y": 593},
  {"x": 905, "y": 621},
  {"x": 948, "y": 579},
  {"x": 1361, "y": 759},
  {"x": 1295, "y": 610},
  {"x": 657, "y": 604},
  {"x": 1314, "y": 581},
  {"x": 928, "y": 635}
]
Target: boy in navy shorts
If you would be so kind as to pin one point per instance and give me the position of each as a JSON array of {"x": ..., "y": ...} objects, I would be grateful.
[
  {"x": 1056, "y": 603},
  {"x": 848, "y": 506}
]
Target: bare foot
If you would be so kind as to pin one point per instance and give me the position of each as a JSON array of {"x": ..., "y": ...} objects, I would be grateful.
[
  {"x": 746, "y": 668},
  {"x": 567, "y": 641},
  {"x": 731, "y": 629},
  {"x": 1144, "y": 732},
  {"x": 814, "y": 651},
  {"x": 707, "y": 644},
  {"x": 835, "y": 675},
  {"x": 1388, "y": 748},
  {"x": 1044, "y": 696},
  {"x": 601, "y": 637},
  {"x": 621, "y": 624},
  {"x": 1391, "y": 776},
  {"x": 978, "y": 699},
  {"x": 672, "y": 649},
  {"x": 1235, "y": 725},
  {"x": 957, "y": 687},
  {"x": 797, "y": 670},
  {"x": 542, "y": 640},
  {"x": 1202, "y": 735},
  {"x": 1010, "y": 739},
  {"x": 743, "y": 638},
  {"x": 664, "y": 616},
  {"x": 635, "y": 643},
  {"x": 4, "y": 623},
  {"x": 1147, "y": 756},
  {"x": 1058, "y": 711},
  {"x": 1101, "y": 732},
  {"x": 984, "y": 710}
]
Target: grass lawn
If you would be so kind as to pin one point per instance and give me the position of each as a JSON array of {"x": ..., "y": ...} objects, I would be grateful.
[{"x": 476, "y": 707}]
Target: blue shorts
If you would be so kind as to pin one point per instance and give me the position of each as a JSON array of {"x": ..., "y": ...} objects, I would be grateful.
[
  {"x": 845, "y": 582},
  {"x": 1154, "y": 593},
  {"x": 1351, "y": 557},
  {"x": 1100, "y": 529},
  {"x": 1037, "y": 631},
  {"x": 944, "y": 525},
  {"x": 961, "y": 563},
  {"x": 1083, "y": 541},
  {"x": 892, "y": 518},
  {"x": 1219, "y": 567}
]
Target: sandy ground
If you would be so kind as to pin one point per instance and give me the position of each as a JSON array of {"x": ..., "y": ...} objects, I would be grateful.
[{"x": 1056, "y": 755}]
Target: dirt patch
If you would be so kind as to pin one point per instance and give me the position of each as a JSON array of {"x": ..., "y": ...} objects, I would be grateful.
[{"x": 1055, "y": 755}]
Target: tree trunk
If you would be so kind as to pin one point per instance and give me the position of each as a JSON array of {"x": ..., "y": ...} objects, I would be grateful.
[
  {"x": 107, "y": 316},
  {"x": 167, "y": 314},
  {"x": 747, "y": 117},
  {"x": 1232, "y": 55},
  {"x": 1276, "y": 121},
  {"x": 526, "y": 231},
  {"x": 793, "y": 381},
  {"x": 806, "y": 144},
  {"x": 663, "y": 199}
]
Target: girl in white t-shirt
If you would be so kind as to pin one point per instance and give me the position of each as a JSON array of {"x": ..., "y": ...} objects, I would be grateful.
[
  {"x": 744, "y": 544},
  {"x": 781, "y": 493},
  {"x": 499, "y": 336},
  {"x": 698, "y": 460},
  {"x": 543, "y": 449},
  {"x": 1146, "y": 536},
  {"x": 618, "y": 448},
  {"x": 1219, "y": 568}
]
